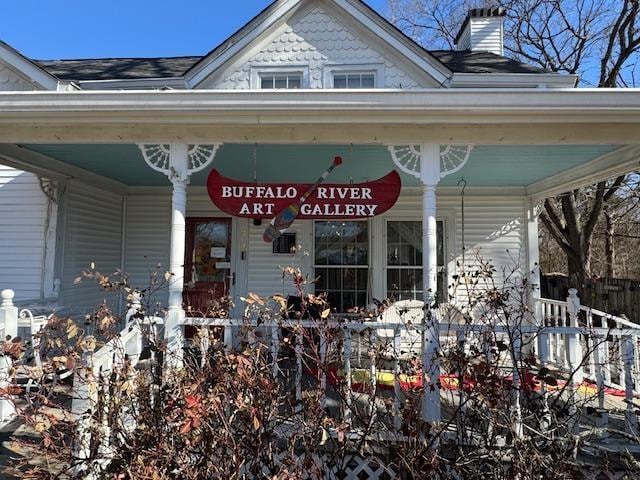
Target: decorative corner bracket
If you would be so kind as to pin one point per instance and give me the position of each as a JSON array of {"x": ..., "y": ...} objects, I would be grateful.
[
  {"x": 452, "y": 158},
  {"x": 49, "y": 188},
  {"x": 159, "y": 158}
]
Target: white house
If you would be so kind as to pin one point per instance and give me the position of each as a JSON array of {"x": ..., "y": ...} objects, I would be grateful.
[{"x": 107, "y": 161}]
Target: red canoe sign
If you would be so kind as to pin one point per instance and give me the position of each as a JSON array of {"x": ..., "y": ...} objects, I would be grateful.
[{"x": 336, "y": 201}]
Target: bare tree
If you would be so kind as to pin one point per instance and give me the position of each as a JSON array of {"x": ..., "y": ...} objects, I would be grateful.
[{"x": 598, "y": 40}]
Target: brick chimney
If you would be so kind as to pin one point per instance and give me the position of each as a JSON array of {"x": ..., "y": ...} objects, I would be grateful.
[{"x": 482, "y": 31}]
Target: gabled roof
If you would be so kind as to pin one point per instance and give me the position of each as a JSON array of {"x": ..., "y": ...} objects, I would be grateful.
[
  {"x": 196, "y": 68},
  {"x": 33, "y": 72},
  {"x": 279, "y": 10}
]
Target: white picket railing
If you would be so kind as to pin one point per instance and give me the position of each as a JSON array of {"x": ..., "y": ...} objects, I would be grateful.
[{"x": 11, "y": 319}]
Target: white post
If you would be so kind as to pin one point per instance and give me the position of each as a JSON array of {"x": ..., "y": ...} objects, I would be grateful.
[
  {"x": 574, "y": 356},
  {"x": 574, "y": 346},
  {"x": 179, "y": 162},
  {"x": 8, "y": 314},
  {"x": 631, "y": 418},
  {"x": 9, "y": 324},
  {"x": 430, "y": 174},
  {"x": 83, "y": 402},
  {"x": 533, "y": 258}
]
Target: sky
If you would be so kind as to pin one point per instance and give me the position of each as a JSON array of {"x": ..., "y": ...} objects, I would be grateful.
[{"x": 48, "y": 29}]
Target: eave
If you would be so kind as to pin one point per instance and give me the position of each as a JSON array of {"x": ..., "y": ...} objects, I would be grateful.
[{"x": 482, "y": 116}]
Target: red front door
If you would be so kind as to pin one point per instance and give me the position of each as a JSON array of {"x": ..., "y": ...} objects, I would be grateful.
[{"x": 207, "y": 264}]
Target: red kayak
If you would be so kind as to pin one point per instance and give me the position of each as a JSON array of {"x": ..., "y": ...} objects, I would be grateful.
[{"x": 328, "y": 201}]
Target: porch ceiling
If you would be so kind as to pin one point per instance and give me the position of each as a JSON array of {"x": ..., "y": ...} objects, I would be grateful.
[{"x": 488, "y": 166}]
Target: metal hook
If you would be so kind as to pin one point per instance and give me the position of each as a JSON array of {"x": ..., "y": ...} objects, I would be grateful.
[{"x": 255, "y": 163}]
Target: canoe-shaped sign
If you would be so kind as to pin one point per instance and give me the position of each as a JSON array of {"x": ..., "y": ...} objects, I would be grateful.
[{"x": 328, "y": 201}]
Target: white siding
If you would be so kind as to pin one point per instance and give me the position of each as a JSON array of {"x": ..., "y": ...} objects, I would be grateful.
[
  {"x": 483, "y": 35},
  {"x": 265, "y": 267},
  {"x": 495, "y": 231},
  {"x": 494, "y": 228},
  {"x": 316, "y": 40},
  {"x": 147, "y": 238},
  {"x": 11, "y": 81},
  {"x": 23, "y": 219},
  {"x": 93, "y": 233},
  {"x": 486, "y": 35}
]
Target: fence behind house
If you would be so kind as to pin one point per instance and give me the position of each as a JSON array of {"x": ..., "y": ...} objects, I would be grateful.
[{"x": 613, "y": 295}]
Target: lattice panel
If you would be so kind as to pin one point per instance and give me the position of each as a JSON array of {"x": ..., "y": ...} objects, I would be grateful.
[{"x": 357, "y": 468}]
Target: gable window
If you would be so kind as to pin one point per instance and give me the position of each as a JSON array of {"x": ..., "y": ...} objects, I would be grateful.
[
  {"x": 404, "y": 260},
  {"x": 354, "y": 80},
  {"x": 270, "y": 81},
  {"x": 342, "y": 263}
]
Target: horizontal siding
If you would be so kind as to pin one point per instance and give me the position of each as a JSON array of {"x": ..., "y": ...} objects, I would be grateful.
[
  {"x": 93, "y": 233},
  {"x": 265, "y": 267},
  {"x": 23, "y": 217},
  {"x": 486, "y": 35},
  {"x": 147, "y": 238},
  {"x": 494, "y": 231}
]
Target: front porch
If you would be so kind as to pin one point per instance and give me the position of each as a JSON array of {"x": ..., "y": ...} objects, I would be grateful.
[{"x": 124, "y": 213}]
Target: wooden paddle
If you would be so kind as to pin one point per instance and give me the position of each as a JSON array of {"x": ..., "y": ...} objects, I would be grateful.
[{"x": 285, "y": 218}]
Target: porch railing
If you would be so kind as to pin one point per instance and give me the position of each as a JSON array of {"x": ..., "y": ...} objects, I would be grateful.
[{"x": 581, "y": 343}]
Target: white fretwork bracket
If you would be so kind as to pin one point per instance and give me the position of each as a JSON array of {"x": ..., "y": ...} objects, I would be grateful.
[
  {"x": 452, "y": 158},
  {"x": 158, "y": 157}
]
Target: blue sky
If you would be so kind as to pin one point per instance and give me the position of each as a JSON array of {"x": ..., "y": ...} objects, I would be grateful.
[{"x": 48, "y": 29}]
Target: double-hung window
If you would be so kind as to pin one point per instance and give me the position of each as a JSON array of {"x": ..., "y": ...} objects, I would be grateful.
[
  {"x": 404, "y": 261},
  {"x": 354, "y": 80},
  {"x": 341, "y": 261},
  {"x": 271, "y": 81}
]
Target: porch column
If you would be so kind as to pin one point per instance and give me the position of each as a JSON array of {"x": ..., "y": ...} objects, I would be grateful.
[
  {"x": 430, "y": 176},
  {"x": 430, "y": 163},
  {"x": 178, "y": 161}
]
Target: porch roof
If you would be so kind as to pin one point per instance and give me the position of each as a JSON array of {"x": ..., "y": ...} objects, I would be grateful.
[
  {"x": 488, "y": 165},
  {"x": 534, "y": 139}
]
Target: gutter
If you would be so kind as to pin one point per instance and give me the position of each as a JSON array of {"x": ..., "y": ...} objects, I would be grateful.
[
  {"x": 513, "y": 80},
  {"x": 465, "y": 105}
]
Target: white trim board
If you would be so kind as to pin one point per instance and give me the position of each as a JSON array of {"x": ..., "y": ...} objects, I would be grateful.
[{"x": 619, "y": 162}]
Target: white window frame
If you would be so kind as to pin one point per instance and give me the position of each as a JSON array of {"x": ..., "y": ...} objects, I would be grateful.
[
  {"x": 257, "y": 71},
  {"x": 376, "y": 68},
  {"x": 449, "y": 238},
  {"x": 368, "y": 266}
]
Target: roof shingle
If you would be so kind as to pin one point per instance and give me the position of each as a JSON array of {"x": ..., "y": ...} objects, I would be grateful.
[
  {"x": 118, "y": 68},
  {"x": 166, "y": 67}
]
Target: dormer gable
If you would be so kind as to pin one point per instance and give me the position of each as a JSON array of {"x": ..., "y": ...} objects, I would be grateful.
[
  {"x": 317, "y": 43},
  {"x": 18, "y": 73}
]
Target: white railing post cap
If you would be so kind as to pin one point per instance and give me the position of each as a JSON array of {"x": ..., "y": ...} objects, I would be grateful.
[
  {"x": 573, "y": 292},
  {"x": 7, "y": 297}
]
